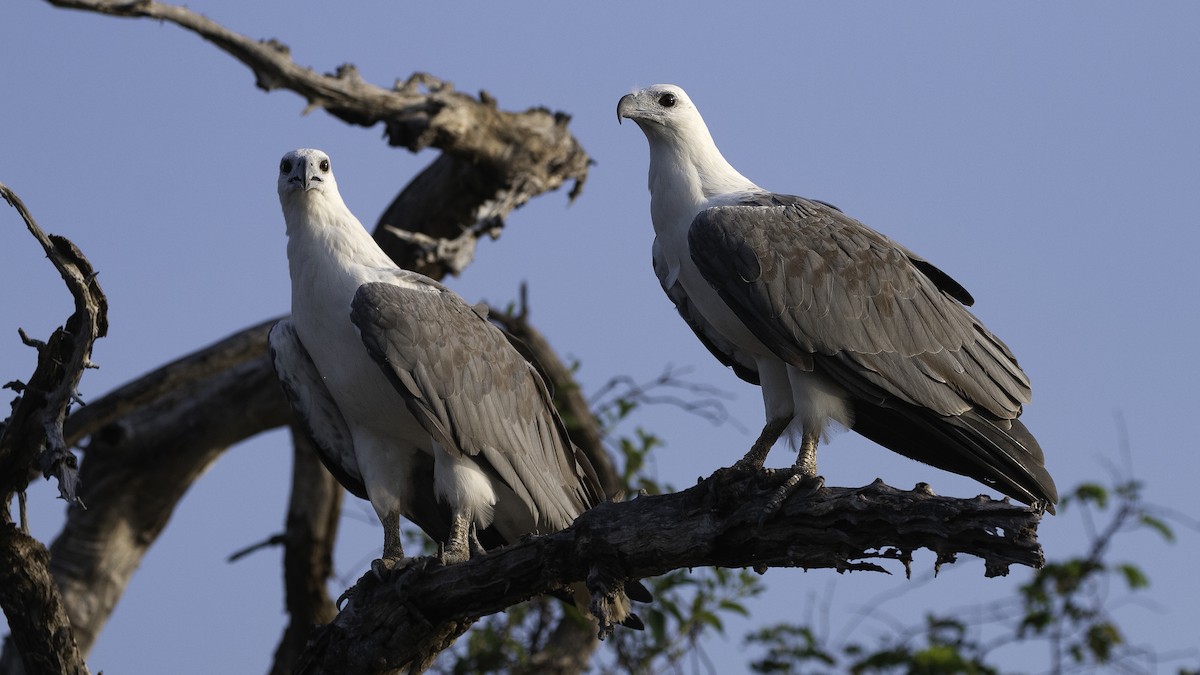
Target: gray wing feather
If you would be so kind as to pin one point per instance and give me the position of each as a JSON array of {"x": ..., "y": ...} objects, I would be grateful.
[
  {"x": 718, "y": 346},
  {"x": 827, "y": 293},
  {"x": 314, "y": 406},
  {"x": 476, "y": 395},
  {"x": 812, "y": 281}
]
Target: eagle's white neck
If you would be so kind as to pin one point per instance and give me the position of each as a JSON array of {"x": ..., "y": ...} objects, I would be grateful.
[
  {"x": 329, "y": 254},
  {"x": 686, "y": 172},
  {"x": 320, "y": 225}
]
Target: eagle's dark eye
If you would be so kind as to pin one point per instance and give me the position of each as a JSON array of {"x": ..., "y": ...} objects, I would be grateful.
[
  {"x": 324, "y": 165},
  {"x": 285, "y": 166},
  {"x": 667, "y": 100}
]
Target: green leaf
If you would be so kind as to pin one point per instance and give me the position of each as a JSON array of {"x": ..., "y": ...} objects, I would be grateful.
[
  {"x": 1134, "y": 576},
  {"x": 1101, "y": 638},
  {"x": 1088, "y": 492},
  {"x": 733, "y": 606},
  {"x": 1158, "y": 525}
]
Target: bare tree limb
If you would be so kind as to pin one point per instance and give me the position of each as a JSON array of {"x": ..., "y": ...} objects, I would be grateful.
[
  {"x": 33, "y": 436},
  {"x": 138, "y": 466},
  {"x": 714, "y": 523},
  {"x": 40, "y": 630},
  {"x": 494, "y": 160}
]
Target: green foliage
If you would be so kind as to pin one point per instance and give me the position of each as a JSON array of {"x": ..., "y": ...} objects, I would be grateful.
[
  {"x": 947, "y": 650},
  {"x": 789, "y": 647},
  {"x": 1066, "y": 601}
]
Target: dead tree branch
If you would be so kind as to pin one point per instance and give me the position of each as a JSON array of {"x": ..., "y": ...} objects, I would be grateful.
[
  {"x": 140, "y": 463},
  {"x": 310, "y": 531},
  {"x": 714, "y": 523},
  {"x": 33, "y": 436},
  {"x": 494, "y": 161}
]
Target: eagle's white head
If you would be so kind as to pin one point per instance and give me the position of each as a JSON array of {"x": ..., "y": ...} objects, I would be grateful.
[
  {"x": 686, "y": 168},
  {"x": 308, "y": 192},
  {"x": 663, "y": 111},
  {"x": 306, "y": 170}
]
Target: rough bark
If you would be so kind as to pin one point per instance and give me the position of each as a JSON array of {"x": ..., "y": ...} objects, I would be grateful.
[
  {"x": 33, "y": 434},
  {"x": 715, "y": 523},
  {"x": 33, "y": 437},
  {"x": 40, "y": 630}
]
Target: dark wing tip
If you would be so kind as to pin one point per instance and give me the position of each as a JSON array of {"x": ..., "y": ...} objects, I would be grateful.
[{"x": 943, "y": 281}]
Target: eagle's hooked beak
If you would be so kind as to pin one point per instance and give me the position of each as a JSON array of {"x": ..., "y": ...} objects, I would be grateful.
[
  {"x": 626, "y": 107},
  {"x": 305, "y": 178}
]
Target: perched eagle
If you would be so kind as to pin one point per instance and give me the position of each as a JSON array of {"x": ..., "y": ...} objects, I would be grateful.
[
  {"x": 838, "y": 324},
  {"x": 415, "y": 401}
]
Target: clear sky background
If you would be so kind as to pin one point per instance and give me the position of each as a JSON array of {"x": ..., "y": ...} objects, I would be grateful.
[{"x": 1046, "y": 156}]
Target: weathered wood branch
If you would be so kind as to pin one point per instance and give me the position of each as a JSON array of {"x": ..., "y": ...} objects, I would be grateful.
[
  {"x": 33, "y": 437},
  {"x": 139, "y": 464},
  {"x": 314, "y": 508},
  {"x": 494, "y": 160},
  {"x": 40, "y": 630},
  {"x": 715, "y": 523}
]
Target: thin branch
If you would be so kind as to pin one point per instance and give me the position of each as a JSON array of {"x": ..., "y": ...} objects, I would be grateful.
[
  {"x": 701, "y": 400},
  {"x": 270, "y": 542}
]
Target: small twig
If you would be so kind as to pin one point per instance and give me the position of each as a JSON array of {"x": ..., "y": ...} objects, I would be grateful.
[
  {"x": 707, "y": 402},
  {"x": 274, "y": 540},
  {"x": 452, "y": 254}
]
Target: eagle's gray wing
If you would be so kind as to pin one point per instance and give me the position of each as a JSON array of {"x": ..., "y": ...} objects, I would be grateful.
[
  {"x": 826, "y": 293},
  {"x": 314, "y": 406},
  {"x": 720, "y": 347},
  {"x": 475, "y": 394}
]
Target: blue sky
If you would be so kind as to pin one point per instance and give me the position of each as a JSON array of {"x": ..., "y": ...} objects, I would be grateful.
[{"x": 1046, "y": 156}]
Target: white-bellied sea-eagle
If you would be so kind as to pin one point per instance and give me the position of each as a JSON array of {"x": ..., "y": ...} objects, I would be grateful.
[
  {"x": 415, "y": 401},
  {"x": 839, "y": 324}
]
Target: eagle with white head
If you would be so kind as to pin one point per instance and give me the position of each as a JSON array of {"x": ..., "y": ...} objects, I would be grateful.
[
  {"x": 414, "y": 399},
  {"x": 840, "y": 325}
]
